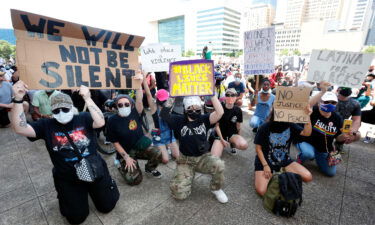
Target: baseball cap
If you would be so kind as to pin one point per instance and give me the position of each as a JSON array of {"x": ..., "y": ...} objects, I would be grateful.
[
  {"x": 124, "y": 96},
  {"x": 191, "y": 100},
  {"x": 231, "y": 90},
  {"x": 329, "y": 96},
  {"x": 162, "y": 95},
  {"x": 61, "y": 100}
]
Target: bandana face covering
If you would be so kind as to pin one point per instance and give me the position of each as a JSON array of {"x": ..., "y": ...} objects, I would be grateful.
[{"x": 327, "y": 107}]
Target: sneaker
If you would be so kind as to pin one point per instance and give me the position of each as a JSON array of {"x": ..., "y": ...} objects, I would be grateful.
[
  {"x": 233, "y": 151},
  {"x": 220, "y": 196},
  {"x": 154, "y": 173},
  {"x": 107, "y": 142},
  {"x": 298, "y": 159},
  {"x": 255, "y": 129}
]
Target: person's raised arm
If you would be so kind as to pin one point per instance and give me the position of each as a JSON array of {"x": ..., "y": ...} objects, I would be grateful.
[
  {"x": 307, "y": 128},
  {"x": 219, "y": 111},
  {"x": 150, "y": 100},
  {"x": 316, "y": 98},
  {"x": 95, "y": 112},
  {"x": 139, "y": 93},
  {"x": 18, "y": 117}
]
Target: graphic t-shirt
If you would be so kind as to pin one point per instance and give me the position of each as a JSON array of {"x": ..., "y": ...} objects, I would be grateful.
[
  {"x": 275, "y": 139},
  {"x": 348, "y": 108},
  {"x": 324, "y": 130},
  {"x": 125, "y": 130},
  {"x": 229, "y": 120},
  {"x": 59, "y": 148},
  {"x": 240, "y": 88}
]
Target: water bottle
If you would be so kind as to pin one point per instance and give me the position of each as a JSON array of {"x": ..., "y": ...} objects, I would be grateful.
[
  {"x": 368, "y": 136},
  {"x": 117, "y": 163}
]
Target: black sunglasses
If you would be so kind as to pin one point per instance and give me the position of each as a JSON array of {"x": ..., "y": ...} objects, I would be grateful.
[
  {"x": 230, "y": 95},
  {"x": 58, "y": 110},
  {"x": 192, "y": 111},
  {"x": 120, "y": 105},
  {"x": 330, "y": 102}
]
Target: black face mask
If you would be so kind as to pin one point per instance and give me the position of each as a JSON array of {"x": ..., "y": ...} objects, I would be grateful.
[
  {"x": 345, "y": 92},
  {"x": 161, "y": 103},
  {"x": 194, "y": 115}
]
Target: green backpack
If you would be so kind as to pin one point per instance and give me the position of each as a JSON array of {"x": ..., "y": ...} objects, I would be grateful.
[{"x": 283, "y": 191}]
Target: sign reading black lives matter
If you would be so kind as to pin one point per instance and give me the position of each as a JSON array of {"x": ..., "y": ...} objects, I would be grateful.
[
  {"x": 156, "y": 57},
  {"x": 346, "y": 69},
  {"x": 55, "y": 54}
]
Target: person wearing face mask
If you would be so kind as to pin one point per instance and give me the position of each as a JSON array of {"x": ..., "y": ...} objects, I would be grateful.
[
  {"x": 367, "y": 91},
  {"x": 263, "y": 100},
  {"x": 229, "y": 126},
  {"x": 326, "y": 127},
  {"x": 347, "y": 107},
  {"x": 66, "y": 135},
  {"x": 239, "y": 87},
  {"x": 192, "y": 129},
  {"x": 42, "y": 103},
  {"x": 126, "y": 133}
]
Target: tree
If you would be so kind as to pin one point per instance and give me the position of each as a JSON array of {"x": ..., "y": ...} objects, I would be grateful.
[
  {"x": 188, "y": 53},
  {"x": 369, "y": 49},
  {"x": 7, "y": 50},
  {"x": 296, "y": 52},
  {"x": 284, "y": 52}
]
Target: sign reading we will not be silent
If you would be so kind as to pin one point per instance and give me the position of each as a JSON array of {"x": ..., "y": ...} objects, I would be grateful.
[
  {"x": 156, "y": 57},
  {"x": 56, "y": 54},
  {"x": 346, "y": 69},
  {"x": 290, "y": 104},
  {"x": 191, "y": 77}
]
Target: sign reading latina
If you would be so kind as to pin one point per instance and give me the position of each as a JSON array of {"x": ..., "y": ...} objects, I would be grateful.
[{"x": 56, "y": 54}]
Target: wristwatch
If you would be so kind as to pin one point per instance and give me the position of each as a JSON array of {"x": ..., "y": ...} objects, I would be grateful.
[{"x": 14, "y": 100}]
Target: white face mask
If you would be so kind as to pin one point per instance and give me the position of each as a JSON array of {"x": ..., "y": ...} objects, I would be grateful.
[
  {"x": 124, "y": 111},
  {"x": 263, "y": 91},
  {"x": 237, "y": 79},
  {"x": 64, "y": 118}
]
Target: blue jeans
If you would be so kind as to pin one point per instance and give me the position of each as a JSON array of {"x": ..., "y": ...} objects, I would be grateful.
[
  {"x": 307, "y": 151},
  {"x": 256, "y": 122}
]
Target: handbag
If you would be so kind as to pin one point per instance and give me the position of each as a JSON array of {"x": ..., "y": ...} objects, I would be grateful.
[
  {"x": 334, "y": 157},
  {"x": 84, "y": 169}
]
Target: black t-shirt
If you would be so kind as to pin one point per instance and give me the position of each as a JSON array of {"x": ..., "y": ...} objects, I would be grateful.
[
  {"x": 59, "y": 148},
  {"x": 229, "y": 120},
  {"x": 125, "y": 130},
  {"x": 324, "y": 130},
  {"x": 192, "y": 135},
  {"x": 275, "y": 139},
  {"x": 348, "y": 108}
]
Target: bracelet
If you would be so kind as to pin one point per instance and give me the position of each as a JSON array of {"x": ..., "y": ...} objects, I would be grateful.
[{"x": 14, "y": 100}]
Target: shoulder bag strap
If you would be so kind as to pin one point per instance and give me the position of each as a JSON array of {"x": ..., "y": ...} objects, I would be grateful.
[{"x": 76, "y": 151}]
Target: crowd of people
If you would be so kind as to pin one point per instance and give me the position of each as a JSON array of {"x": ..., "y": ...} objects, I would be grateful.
[{"x": 192, "y": 130}]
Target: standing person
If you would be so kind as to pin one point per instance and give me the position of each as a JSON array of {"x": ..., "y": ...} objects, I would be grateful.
[
  {"x": 68, "y": 136},
  {"x": 151, "y": 83},
  {"x": 326, "y": 125},
  {"x": 42, "y": 103},
  {"x": 239, "y": 87},
  {"x": 276, "y": 76},
  {"x": 229, "y": 127},
  {"x": 195, "y": 156},
  {"x": 272, "y": 145},
  {"x": 126, "y": 134},
  {"x": 5, "y": 100},
  {"x": 263, "y": 101}
]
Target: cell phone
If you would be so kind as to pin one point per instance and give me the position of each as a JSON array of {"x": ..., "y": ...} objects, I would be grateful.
[{"x": 347, "y": 126}]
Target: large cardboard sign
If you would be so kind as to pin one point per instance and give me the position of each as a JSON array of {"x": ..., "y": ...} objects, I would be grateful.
[
  {"x": 290, "y": 104},
  {"x": 259, "y": 51},
  {"x": 191, "y": 77},
  {"x": 347, "y": 69},
  {"x": 56, "y": 54},
  {"x": 293, "y": 63},
  {"x": 156, "y": 57}
]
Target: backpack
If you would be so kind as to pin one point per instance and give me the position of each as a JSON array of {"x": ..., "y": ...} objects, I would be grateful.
[{"x": 283, "y": 191}]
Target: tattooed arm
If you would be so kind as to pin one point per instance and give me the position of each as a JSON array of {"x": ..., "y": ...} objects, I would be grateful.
[
  {"x": 95, "y": 112},
  {"x": 18, "y": 117}
]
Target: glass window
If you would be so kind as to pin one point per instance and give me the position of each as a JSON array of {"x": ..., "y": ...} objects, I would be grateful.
[{"x": 172, "y": 31}]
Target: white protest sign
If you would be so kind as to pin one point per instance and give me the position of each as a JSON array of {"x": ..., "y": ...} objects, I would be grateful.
[
  {"x": 346, "y": 69},
  {"x": 259, "y": 51},
  {"x": 290, "y": 104},
  {"x": 156, "y": 57}
]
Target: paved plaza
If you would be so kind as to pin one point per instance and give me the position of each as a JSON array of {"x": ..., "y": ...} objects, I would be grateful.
[{"x": 27, "y": 194}]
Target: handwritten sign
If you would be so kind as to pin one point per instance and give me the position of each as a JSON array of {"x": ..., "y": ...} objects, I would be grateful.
[
  {"x": 290, "y": 104},
  {"x": 293, "y": 63},
  {"x": 191, "y": 77},
  {"x": 259, "y": 49},
  {"x": 347, "y": 69},
  {"x": 156, "y": 58},
  {"x": 55, "y": 54}
]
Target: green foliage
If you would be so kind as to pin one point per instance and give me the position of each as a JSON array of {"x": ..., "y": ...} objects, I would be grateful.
[
  {"x": 7, "y": 50},
  {"x": 188, "y": 53},
  {"x": 369, "y": 49},
  {"x": 296, "y": 52},
  {"x": 284, "y": 52}
]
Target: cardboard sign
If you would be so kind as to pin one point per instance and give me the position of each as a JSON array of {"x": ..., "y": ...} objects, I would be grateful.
[
  {"x": 290, "y": 104},
  {"x": 156, "y": 58},
  {"x": 55, "y": 54},
  {"x": 191, "y": 77},
  {"x": 347, "y": 69},
  {"x": 293, "y": 63},
  {"x": 259, "y": 49}
]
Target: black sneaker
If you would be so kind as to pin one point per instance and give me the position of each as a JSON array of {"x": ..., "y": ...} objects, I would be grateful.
[
  {"x": 233, "y": 151},
  {"x": 154, "y": 173},
  {"x": 255, "y": 129}
]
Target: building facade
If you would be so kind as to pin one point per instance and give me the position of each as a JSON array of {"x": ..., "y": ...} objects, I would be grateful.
[
  {"x": 257, "y": 17},
  {"x": 172, "y": 31}
]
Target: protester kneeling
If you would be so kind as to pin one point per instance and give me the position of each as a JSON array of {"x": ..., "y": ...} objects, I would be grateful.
[
  {"x": 70, "y": 140},
  {"x": 191, "y": 131},
  {"x": 229, "y": 126},
  {"x": 272, "y": 145}
]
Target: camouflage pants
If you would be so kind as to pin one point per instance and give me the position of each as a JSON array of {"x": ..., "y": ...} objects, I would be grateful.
[
  {"x": 185, "y": 171},
  {"x": 152, "y": 154}
]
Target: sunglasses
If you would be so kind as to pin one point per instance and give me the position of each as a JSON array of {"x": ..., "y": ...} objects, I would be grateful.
[
  {"x": 330, "y": 102},
  {"x": 192, "y": 111},
  {"x": 230, "y": 95},
  {"x": 120, "y": 105},
  {"x": 58, "y": 110}
]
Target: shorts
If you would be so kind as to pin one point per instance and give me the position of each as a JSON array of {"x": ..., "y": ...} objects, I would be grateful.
[
  {"x": 166, "y": 138},
  {"x": 4, "y": 118},
  {"x": 259, "y": 167}
]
